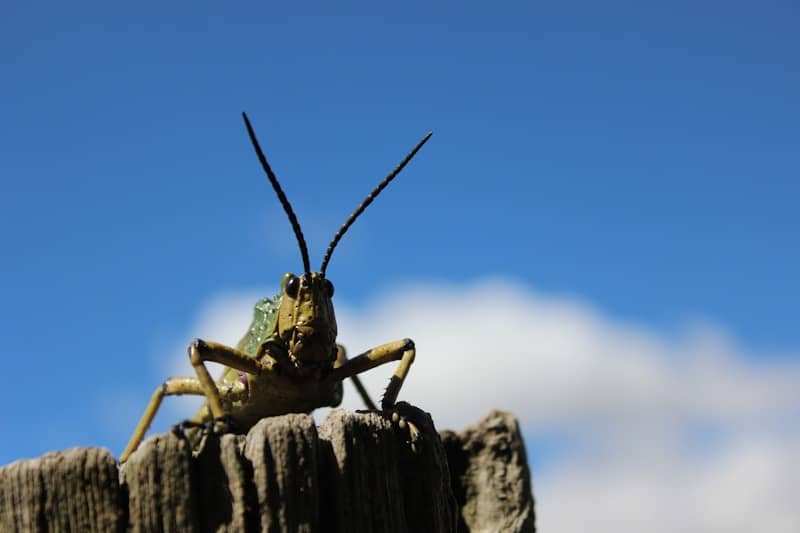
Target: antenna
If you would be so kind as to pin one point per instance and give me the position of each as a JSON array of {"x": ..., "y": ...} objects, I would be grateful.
[
  {"x": 368, "y": 200},
  {"x": 301, "y": 241}
]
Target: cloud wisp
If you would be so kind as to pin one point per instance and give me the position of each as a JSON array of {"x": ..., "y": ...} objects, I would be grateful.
[{"x": 663, "y": 431}]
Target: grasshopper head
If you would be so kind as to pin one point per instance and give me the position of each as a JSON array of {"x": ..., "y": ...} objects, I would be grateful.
[{"x": 306, "y": 321}]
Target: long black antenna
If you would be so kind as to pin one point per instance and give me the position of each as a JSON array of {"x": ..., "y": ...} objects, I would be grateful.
[
  {"x": 301, "y": 241},
  {"x": 368, "y": 200}
]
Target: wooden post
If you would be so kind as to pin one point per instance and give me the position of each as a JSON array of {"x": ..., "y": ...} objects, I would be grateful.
[{"x": 355, "y": 473}]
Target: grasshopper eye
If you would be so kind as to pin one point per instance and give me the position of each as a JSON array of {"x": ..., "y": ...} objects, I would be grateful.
[
  {"x": 292, "y": 285},
  {"x": 329, "y": 288}
]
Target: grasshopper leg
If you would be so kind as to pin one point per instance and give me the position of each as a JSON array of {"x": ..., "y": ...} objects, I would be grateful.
[
  {"x": 403, "y": 350},
  {"x": 201, "y": 351},
  {"x": 341, "y": 358},
  {"x": 392, "y": 351},
  {"x": 173, "y": 387}
]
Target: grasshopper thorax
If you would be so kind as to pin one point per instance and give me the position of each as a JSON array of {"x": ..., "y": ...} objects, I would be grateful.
[{"x": 306, "y": 321}]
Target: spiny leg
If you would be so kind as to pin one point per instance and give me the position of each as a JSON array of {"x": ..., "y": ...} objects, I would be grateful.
[
  {"x": 174, "y": 387},
  {"x": 392, "y": 351},
  {"x": 403, "y": 350},
  {"x": 341, "y": 358}
]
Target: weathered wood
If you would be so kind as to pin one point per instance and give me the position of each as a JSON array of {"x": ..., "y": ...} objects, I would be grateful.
[
  {"x": 489, "y": 471},
  {"x": 375, "y": 482},
  {"x": 227, "y": 498},
  {"x": 355, "y": 473},
  {"x": 74, "y": 490},
  {"x": 160, "y": 479},
  {"x": 283, "y": 452}
]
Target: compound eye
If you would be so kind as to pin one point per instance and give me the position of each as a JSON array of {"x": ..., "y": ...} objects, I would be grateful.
[
  {"x": 329, "y": 288},
  {"x": 291, "y": 286}
]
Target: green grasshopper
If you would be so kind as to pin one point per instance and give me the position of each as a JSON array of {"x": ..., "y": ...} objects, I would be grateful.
[{"x": 288, "y": 361}]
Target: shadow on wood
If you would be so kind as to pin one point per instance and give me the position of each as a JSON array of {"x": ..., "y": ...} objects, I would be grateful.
[{"x": 355, "y": 473}]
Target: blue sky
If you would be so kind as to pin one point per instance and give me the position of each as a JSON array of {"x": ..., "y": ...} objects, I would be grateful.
[{"x": 639, "y": 159}]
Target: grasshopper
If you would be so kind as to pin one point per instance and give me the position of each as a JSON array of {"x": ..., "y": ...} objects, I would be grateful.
[{"x": 288, "y": 360}]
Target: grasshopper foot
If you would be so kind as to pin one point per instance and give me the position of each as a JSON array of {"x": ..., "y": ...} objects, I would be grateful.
[
  {"x": 222, "y": 425},
  {"x": 191, "y": 431},
  {"x": 401, "y": 415},
  {"x": 180, "y": 428},
  {"x": 414, "y": 435}
]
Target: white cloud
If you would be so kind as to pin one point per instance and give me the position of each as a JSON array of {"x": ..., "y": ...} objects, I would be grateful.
[{"x": 629, "y": 401}]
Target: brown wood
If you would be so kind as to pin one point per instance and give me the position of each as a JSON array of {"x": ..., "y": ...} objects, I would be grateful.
[
  {"x": 355, "y": 473},
  {"x": 491, "y": 481}
]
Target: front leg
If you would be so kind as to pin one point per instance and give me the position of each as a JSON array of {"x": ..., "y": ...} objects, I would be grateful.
[
  {"x": 201, "y": 351},
  {"x": 403, "y": 350}
]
